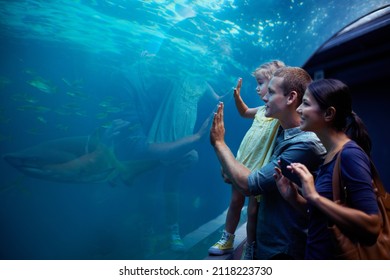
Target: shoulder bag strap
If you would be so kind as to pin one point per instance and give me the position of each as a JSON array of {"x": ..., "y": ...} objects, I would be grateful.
[
  {"x": 377, "y": 182},
  {"x": 337, "y": 182},
  {"x": 336, "y": 179}
]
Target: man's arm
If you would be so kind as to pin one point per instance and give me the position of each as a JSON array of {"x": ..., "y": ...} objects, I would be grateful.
[
  {"x": 234, "y": 170},
  {"x": 261, "y": 181}
]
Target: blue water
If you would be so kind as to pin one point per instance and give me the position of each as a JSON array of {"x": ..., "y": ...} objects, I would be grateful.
[{"x": 61, "y": 66}]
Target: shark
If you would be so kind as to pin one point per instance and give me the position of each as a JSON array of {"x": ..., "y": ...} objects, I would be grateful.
[{"x": 79, "y": 159}]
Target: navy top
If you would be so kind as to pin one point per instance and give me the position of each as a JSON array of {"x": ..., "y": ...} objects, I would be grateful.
[
  {"x": 280, "y": 228},
  {"x": 356, "y": 175}
]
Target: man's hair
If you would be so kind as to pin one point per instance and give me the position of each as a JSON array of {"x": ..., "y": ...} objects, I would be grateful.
[{"x": 294, "y": 79}]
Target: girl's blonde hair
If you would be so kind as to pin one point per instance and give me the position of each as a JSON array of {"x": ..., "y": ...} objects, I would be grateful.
[{"x": 267, "y": 69}]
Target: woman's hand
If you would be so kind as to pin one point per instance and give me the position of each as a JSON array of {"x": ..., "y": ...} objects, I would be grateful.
[
  {"x": 308, "y": 187},
  {"x": 287, "y": 189}
]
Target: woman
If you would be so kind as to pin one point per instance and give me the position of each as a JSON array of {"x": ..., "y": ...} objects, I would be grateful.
[{"x": 326, "y": 109}]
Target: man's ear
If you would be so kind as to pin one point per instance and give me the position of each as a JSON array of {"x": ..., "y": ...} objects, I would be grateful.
[
  {"x": 330, "y": 113},
  {"x": 292, "y": 96}
]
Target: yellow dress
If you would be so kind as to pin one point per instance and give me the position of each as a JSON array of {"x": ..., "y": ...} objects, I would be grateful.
[{"x": 256, "y": 147}]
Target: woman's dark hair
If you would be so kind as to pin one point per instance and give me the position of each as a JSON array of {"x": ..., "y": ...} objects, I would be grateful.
[{"x": 334, "y": 93}]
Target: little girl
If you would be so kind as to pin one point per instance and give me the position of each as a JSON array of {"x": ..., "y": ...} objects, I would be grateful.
[{"x": 254, "y": 151}]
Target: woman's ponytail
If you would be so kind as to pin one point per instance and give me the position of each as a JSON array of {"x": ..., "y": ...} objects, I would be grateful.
[{"x": 357, "y": 131}]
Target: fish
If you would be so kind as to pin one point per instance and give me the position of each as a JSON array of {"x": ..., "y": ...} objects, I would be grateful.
[
  {"x": 42, "y": 85},
  {"x": 76, "y": 84},
  {"x": 79, "y": 159},
  {"x": 42, "y": 119},
  {"x": 77, "y": 94},
  {"x": 34, "y": 108},
  {"x": 24, "y": 97}
]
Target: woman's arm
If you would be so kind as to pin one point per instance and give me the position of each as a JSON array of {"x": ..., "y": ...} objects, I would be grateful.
[
  {"x": 289, "y": 191},
  {"x": 365, "y": 226}
]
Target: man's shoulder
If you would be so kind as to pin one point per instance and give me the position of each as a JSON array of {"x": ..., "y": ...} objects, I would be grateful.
[
  {"x": 309, "y": 135},
  {"x": 300, "y": 135},
  {"x": 309, "y": 140}
]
